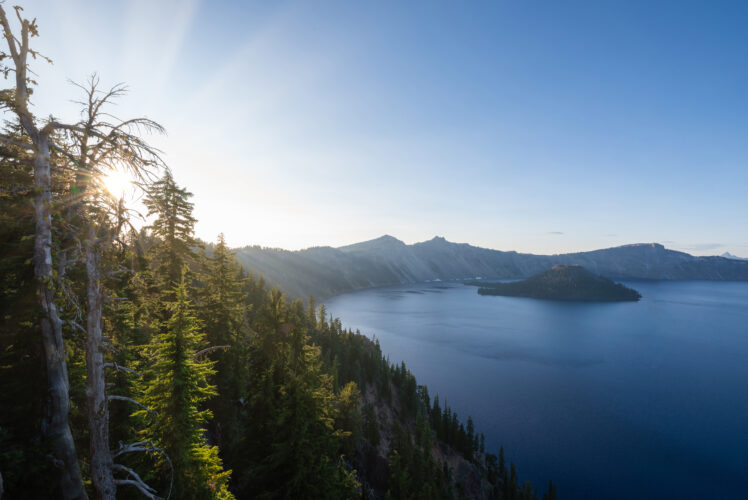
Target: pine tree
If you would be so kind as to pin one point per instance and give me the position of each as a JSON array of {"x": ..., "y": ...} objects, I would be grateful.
[
  {"x": 174, "y": 227},
  {"x": 470, "y": 439},
  {"x": 291, "y": 446},
  {"x": 176, "y": 388},
  {"x": 223, "y": 311},
  {"x": 551, "y": 494}
]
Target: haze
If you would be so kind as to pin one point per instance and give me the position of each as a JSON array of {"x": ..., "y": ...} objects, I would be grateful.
[{"x": 543, "y": 128}]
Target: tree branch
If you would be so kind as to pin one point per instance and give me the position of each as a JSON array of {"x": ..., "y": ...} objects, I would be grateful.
[
  {"x": 148, "y": 447},
  {"x": 210, "y": 349},
  {"x": 76, "y": 325},
  {"x": 137, "y": 481},
  {"x": 112, "y": 397},
  {"x": 13, "y": 142},
  {"x": 122, "y": 368},
  {"x": 144, "y": 488}
]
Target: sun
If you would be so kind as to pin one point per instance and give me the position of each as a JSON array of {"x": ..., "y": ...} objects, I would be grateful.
[{"x": 117, "y": 182}]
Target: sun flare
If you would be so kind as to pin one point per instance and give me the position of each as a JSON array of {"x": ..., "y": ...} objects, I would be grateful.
[{"x": 117, "y": 182}]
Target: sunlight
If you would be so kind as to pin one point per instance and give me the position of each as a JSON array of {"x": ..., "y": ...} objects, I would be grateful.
[{"x": 117, "y": 182}]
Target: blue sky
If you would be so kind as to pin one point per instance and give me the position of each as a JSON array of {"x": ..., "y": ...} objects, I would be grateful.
[{"x": 533, "y": 126}]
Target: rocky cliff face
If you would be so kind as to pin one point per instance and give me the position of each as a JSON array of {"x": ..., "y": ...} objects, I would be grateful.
[{"x": 326, "y": 271}]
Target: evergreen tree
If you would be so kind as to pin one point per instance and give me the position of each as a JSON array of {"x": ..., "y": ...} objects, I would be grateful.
[
  {"x": 223, "y": 311},
  {"x": 551, "y": 494},
  {"x": 173, "y": 228},
  {"x": 291, "y": 444},
  {"x": 176, "y": 387}
]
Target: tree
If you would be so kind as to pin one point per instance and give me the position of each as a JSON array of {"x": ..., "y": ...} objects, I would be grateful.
[
  {"x": 551, "y": 494},
  {"x": 22, "y": 460},
  {"x": 223, "y": 310},
  {"x": 93, "y": 146},
  {"x": 176, "y": 388},
  {"x": 470, "y": 439},
  {"x": 56, "y": 428},
  {"x": 87, "y": 148},
  {"x": 173, "y": 228},
  {"x": 290, "y": 441}
]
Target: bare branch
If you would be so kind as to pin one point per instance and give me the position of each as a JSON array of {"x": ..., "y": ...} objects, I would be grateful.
[
  {"x": 147, "y": 490},
  {"x": 144, "y": 488},
  {"x": 122, "y": 368},
  {"x": 147, "y": 447},
  {"x": 76, "y": 325},
  {"x": 133, "y": 447},
  {"x": 211, "y": 349},
  {"x": 112, "y": 397}
]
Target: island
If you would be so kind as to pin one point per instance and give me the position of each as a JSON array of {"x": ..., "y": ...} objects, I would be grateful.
[{"x": 563, "y": 282}]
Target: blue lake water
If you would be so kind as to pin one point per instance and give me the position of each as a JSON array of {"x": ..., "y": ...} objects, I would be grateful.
[{"x": 627, "y": 400}]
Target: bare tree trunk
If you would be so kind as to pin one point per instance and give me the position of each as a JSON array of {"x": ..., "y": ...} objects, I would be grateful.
[
  {"x": 98, "y": 409},
  {"x": 56, "y": 427}
]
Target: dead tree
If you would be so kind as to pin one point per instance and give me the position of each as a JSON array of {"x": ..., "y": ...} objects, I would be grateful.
[
  {"x": 98, "y": 142},
  {"x": 56, "y": 427}
]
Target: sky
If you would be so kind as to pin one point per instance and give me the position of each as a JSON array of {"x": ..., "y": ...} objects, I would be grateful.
[{"x": 538, "y": 126}]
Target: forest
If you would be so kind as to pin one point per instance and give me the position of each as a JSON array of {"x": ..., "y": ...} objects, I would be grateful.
[{"x": 137, "y": 361}]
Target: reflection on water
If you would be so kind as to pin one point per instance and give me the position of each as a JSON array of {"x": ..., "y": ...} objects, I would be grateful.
[{"x": 613, "y": 400}]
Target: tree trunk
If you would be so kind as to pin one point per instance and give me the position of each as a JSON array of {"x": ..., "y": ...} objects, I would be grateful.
[
  {"x": 98, "y": 408},
  {"x": 56, "y": 427}
]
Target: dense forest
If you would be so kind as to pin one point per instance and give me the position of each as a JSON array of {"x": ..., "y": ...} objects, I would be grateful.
[{"x": 137, "y": 361}]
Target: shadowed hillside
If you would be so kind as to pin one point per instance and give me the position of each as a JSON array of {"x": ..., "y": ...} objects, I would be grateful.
[{"x": 327, "y": 271}]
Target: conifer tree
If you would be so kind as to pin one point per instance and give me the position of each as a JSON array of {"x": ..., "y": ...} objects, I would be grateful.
[
  {"x": 223, "y": 310},
  {"x": 173, "y": 228},
  {"x": 176, "y": 388},
  {"x": 291, "y": 444}
]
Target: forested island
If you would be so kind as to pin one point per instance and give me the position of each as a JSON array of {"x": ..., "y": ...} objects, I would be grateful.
[
  {"x": 144, "y": 363},
  {"x": 570, "y": 283}
]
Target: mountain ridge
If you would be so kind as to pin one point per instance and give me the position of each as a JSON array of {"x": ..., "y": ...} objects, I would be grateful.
[{"x": 326, "y": 271}]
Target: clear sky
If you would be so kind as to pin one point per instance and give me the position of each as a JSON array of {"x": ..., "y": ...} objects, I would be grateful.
[{"x": 536, "y": 126}]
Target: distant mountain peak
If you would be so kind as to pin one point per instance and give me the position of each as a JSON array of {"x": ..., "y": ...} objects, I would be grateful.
[
  {"x": 384, "y": 241},
  {"x": 656, "y": 246},
  {"x": 386, "y": 238},
  {"x": 728, "y": 255},
  {"x": 437, "y": 239}
]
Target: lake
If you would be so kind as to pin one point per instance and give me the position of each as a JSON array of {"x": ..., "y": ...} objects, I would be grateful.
[{"x": 625, "y": 400}]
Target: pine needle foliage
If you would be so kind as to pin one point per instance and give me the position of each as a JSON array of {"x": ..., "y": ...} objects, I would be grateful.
[{"x": 176, "y": 389}]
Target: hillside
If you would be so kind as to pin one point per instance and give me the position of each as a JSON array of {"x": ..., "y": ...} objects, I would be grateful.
[
  {"x": 327, "y": 271},
  {"x": 570, "y": 283}
]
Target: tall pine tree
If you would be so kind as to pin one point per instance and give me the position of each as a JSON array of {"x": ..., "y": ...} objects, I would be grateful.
[
  {"x": 173, "y": 230},
  {"x": 223, "y": 310},
  {"x": 176, "y": 389}
]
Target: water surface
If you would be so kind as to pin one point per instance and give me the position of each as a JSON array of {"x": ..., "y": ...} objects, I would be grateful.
[{"x": 626, "y": 400}]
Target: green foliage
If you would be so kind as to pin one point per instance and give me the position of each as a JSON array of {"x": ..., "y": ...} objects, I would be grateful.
[
  {"x": 283, "y": 396},
  {"x": 291, "y": 445},
  {"x": 173, "y": 231},
  {"x": 175, "y": 388},
  {"x": 223, "y": 309},
  {"x": 22, "y": 459}
]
